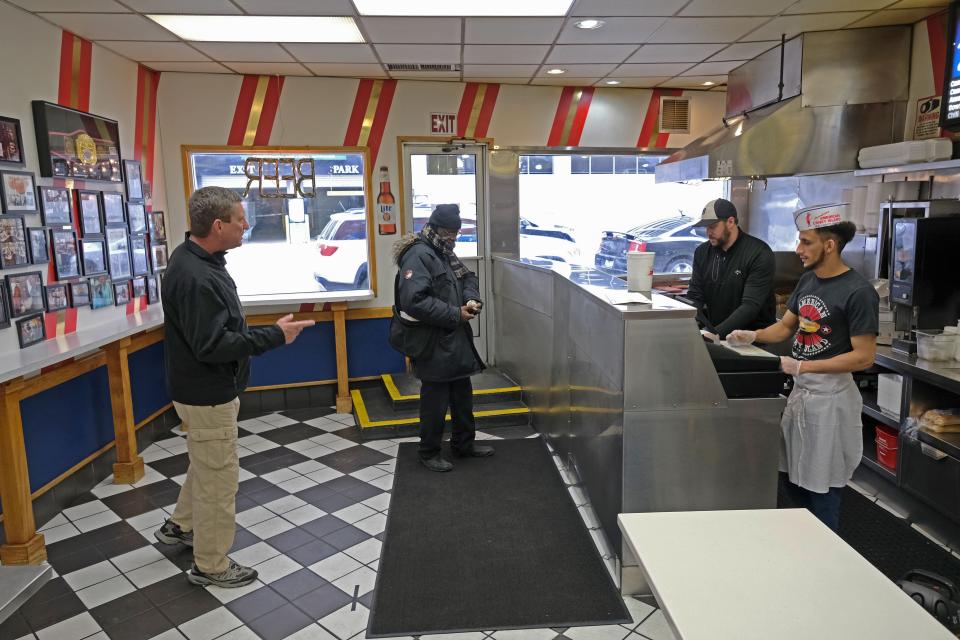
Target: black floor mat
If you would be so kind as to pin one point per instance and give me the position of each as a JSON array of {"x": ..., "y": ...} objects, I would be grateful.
[{"x": 497, "y": 543}]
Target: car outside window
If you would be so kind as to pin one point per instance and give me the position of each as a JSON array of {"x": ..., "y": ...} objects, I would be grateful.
[{"x": 352, "y": 230}]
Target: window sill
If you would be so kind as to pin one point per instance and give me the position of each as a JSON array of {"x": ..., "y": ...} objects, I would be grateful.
[{"x": 279, "y": 299}]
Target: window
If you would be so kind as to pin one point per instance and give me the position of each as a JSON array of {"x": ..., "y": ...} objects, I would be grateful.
[
  {"x": 308, "y": 228},
  {"x": 536, "y": 164},
  {"x": 601, "y": 164},
  {"x": 625, "y": 164}
]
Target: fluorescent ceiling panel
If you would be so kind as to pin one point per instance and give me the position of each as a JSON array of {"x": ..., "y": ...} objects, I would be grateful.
[
  {"x": 261, "y": 28},
  {"x": 463, "y": 8}
]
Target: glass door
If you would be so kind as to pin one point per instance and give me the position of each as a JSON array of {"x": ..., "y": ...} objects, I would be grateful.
[{"x": 441, "y": 174}]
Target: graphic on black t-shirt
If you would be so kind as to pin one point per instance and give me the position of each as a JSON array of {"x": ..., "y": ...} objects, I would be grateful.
[{"x": 813, "y": 334}]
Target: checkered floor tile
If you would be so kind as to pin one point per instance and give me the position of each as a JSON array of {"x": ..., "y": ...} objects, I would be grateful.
[{"x": 311, "y": 514}]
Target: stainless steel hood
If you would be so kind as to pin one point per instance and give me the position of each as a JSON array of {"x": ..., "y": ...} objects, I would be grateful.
[{"x": 806, "y": 107}]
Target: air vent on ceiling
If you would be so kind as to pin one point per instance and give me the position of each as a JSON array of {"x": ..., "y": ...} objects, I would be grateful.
[
  {"x": 428, "y": 68},
  {"x": 674, "y": 115}
]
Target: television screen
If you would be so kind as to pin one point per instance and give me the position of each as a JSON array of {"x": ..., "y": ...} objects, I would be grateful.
[
  {"x": 75, "y": 144},
  {"x": 950, "y": 109}
]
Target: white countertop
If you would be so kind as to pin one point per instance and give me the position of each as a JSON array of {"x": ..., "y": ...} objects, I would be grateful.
[{"x": 768, "y": 574}]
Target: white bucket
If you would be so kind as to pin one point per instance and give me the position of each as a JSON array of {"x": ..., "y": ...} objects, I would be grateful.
[{"x": 640, "y": 270}]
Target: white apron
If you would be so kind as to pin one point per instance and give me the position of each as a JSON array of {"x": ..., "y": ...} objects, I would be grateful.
[{"x": 822, "y": 439}]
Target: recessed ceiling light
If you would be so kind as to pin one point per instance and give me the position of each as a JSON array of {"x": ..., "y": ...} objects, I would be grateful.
[
  {"x": 709, "y": 83},
  {"x": 613, "y": 82},
  {"x": 557, "y": 71},
  {"x": 260, "y": 28},
  {"x": 590, "y": 23},
  {"x": 463, "y": 8}
]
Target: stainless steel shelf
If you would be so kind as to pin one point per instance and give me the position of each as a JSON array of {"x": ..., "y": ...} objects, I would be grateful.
[
  {"x": 873, "y": 465},
  {"x": 874, "y": 412},
  {"x": 941, "y": 165}
]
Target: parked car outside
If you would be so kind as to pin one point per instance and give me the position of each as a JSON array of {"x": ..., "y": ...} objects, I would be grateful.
[
  {"x": 674, "y": 241},
  {"x": 552, "y": 242},
  {"x": 342, "y": 252}
]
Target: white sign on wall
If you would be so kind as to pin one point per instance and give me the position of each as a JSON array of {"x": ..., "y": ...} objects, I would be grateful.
[
  {"x": 928, "y": 118},
  {"x": 443, "y": 123}
]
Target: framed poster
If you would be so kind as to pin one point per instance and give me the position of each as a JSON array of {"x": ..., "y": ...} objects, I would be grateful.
[
  {"x": 158, "y": 253},
  {"x": 138, "y": 255},
  {"x": 94, "y": 258},
  {"x": 18, "y": 192},
  {"x": 26, "y": 293},
  {"x": 101, "y": 291},
  {"x": 134, "y": 180},
  {"x": 118, "y": 253},
  {"x": 139, "y": 287},
  {"x": 31, "y": 330},
  {"x": 55, "y": 206},
  {"x": 56, "y": 296},
  {"x": 76, "y": 144},
  {"x": 13, "y": 242},
  {"x": 39, "y": 245},
  {"x": 112, "y": 208},
  {"x": 4, "y": 306},
  {"x": 11, "y": 143},
  {"x": 153, "y": 290},
  {"x": 66, "y": 258},
  {"x": 138, "y": 217},
  {"x": 89, "y": 205},
  {"x": 79, "y": 294},
  {"x": 121, "y": 292},
  {"x": 158, "y": 227}
]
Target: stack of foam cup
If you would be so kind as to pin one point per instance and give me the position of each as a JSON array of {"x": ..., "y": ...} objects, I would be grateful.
[{"x": 640, "y": 270}]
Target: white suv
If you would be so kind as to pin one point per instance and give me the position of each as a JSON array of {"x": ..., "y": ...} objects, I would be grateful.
[{"x": 342, "y": 252}]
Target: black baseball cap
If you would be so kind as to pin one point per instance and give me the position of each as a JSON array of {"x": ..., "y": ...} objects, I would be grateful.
[{"x": 716, "y": 210}]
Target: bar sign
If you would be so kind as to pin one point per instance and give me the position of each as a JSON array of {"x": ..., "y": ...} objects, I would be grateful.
[{"x": 443, "y": 123}]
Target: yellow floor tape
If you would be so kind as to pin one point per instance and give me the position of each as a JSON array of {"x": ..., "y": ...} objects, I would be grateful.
[
  {"x": 365, "y": 423},
  {"x": 395, "y": 395}
]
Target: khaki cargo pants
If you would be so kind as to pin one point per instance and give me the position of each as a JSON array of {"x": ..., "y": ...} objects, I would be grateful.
[{"x": 207, "y": 504}]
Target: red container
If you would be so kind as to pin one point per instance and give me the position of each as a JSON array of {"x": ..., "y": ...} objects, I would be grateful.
[{"x": 887, "y": 445}]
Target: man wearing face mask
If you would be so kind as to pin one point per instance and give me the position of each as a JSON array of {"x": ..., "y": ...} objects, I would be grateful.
[
  {"x": 833, "y": 316},
  {"x": 732, "y": 280},
  {"x": 436, "y": 289}
]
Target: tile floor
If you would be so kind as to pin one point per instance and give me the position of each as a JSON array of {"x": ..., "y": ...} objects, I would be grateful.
[{"x": 311, "y": 514}]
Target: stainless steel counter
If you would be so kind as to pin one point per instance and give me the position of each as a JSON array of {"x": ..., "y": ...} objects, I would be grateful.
[
  {"x": 18, "y": 584},
  {"x": 629, "y": 397}
]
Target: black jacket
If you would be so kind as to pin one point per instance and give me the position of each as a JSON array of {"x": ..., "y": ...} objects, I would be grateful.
[
  {"x": 734, "y": 289},
  {"x": 431, "y": 293},
  {"x": 207, "y": 342}
]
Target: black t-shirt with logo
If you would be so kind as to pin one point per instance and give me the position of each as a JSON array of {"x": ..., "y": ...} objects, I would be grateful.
[{"x": 830, "y": 311}]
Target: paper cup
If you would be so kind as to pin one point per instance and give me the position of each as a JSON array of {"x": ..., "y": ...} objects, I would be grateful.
[{"x": 640, "y": 270}]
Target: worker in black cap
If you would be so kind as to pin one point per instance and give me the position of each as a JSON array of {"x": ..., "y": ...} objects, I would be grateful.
[
  {"x": 732, "y": 280},
  {"x": 436, "y": 289}
]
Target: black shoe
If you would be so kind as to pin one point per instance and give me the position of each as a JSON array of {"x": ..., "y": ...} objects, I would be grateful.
[
  {"x": 171, "y": 533},
  {"x": 474, "y": 451},
  {"x": 436, "y": 463}
]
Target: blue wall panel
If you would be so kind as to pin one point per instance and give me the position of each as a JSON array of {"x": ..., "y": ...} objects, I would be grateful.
[
  {"x": 368, "y": 352},
  {"x": 312, "y": 357},
  {"x": 148, "y": 381},
  {"x": 64, "y": 425}
]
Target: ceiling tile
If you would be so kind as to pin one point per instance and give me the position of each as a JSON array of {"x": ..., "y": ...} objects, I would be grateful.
[
  {"x": 189, "y": 67},
  {"x": 297, "y": 7},
  {"x": 209, "y": 7},
  {"x": 412, "y": 30},
  {"x": 735, "y": 7},
  {"x": 154, "y": 51},
  {"x": 627, "y": 7},
  {"x": 109, "y": 26},
  {"x": 269, "y": 68},
  {"x": 244, "y": 51},
  {"x": 895, "y": 16},
  {"x": 668, "y": 69},
  {"x": 713, "y": 68},
  {"x": 565, "y": 82},
  {"x": 347, "y": 70},
  {"x": 792, "y": 25},
  {"x": 636, "y": 82},
  {"x": 499, "y": 80},
  {"x": 693, "y": 82},
  {"x": 581, "y": 70},
  {"x": 830, "y": 6},
  {"x": 910, "y": 4},
  {"x": 512, "y": 30},
  {"x": 674, "y": 52},
  {"x": 500, "y": 70},
  {"x": 91, "y": 6},
  {"x": 575, "y": 53},
  {"x": 744, "y": 50},
  {"x": 615, "y": 30},
  {"x": 425, "y": 53},
  {"x": 310, "y": 52},
  {"x": 704, "y": 29},
  {"x": 494, "y": 54}
]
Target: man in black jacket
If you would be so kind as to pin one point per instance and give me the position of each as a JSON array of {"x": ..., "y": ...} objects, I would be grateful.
[
  {"x": 435, "y": 288},
  {"x": 732, "y": 280},
  {"x": 207, "y": 351}
]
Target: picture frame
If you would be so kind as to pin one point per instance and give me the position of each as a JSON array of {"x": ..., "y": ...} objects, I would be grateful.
[
  {"x": 158, "y": 227},
  {"x": 112, "y": 208},
  {"x": 93, "y": 255},
  {"x": 158, "y": 255},
  {"x": 89, "y": 205},
  {"x": 118, "y": 253},
  {"x": 66, "y": 256},
  {"x": 133, "y": 179},
  {"x": 76, "y": 144},
  {"x": 56, "y": 298},
  {"x": 121, "y": 293},
  {"x": 101, "y": 291},
  {"x": 25, "y": 293},
  {"x": 55, "y": 206},
  {"x": 18, "y": 192},
  {"x": 31, "y": 330},
  {"x": 137, "y": 217},
  {"x": 11, "y": 143},
  {"x": 14, "y": 248},
  {"x": 4, "y": 306},
  {"x": 153, "y": 290},
  {"x": 139, "y": 286},
  {"x": 39, "y": 245},
  {"x": 138, "y": 255},
  {"x": 79, "y": 294}
]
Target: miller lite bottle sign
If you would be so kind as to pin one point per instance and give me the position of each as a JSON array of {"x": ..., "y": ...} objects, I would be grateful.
[{"x": 386, "y": 206}]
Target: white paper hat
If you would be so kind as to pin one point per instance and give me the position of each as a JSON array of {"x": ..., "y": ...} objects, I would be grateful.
[{"x": 822, "y": 215}]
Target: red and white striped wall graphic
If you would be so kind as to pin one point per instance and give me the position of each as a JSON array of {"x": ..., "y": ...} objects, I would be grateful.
[
  {"x": 60, "y": 323},
  {"x": 476, "y": 109},
  {"x": 368, "y": 119},
  {"x": 650, "y": 135},
  {"x": 256, "y": 111},
  {"x": 571, "y": 116},
  {"x": 75, "y": 63},
  {"x": 136, "y": 305},
  {"x": 145, "y": 127}
]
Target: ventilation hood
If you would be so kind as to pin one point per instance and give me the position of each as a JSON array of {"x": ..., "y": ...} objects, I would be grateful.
[{"x": 806, "y": 106}]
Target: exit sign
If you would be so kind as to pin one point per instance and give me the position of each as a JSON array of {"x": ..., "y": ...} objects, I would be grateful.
[{"x": 443, "y": 123}]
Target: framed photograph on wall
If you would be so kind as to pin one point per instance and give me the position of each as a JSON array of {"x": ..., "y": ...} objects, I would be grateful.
[
  {"x": 4, "y": 306},
  {"x": 138, "y": 217},
  {"x": 79, "y": 294},
  {"x": 112, "y": 208},
  {"x": 121, "y": 292},
  {"x": 101, "y": 291},
  {"x": 31, "y": 330},
  {"x": 138, "y": 254},
  {"x": 25, "y": 291},
  {"x": 55, "y": 206},
  {"x": 13, "y": 242},
  {"x": 153, "y": 290},
  {"x": 134, "y": 180},
  {"x": 76, "y": 144},
  {"x": 158, "y": 227},
  {"x": 118, "y": 253},
  {"x": 56, "y": 296},
  {"x": 89, "y": 205},
  {"x": 18, "y": 191},
  {"x": 11, "y": 143},
  {"x": 139, "y": 287},
  {"x": 93, "y": 255},
  {"x": 39, "y": 245},
  {"x": 158, "y": 254},
  {"x": 66, "y": 259}
]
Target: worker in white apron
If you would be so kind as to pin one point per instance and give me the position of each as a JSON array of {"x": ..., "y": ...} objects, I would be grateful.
[{"x": 833, "y": 316}]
